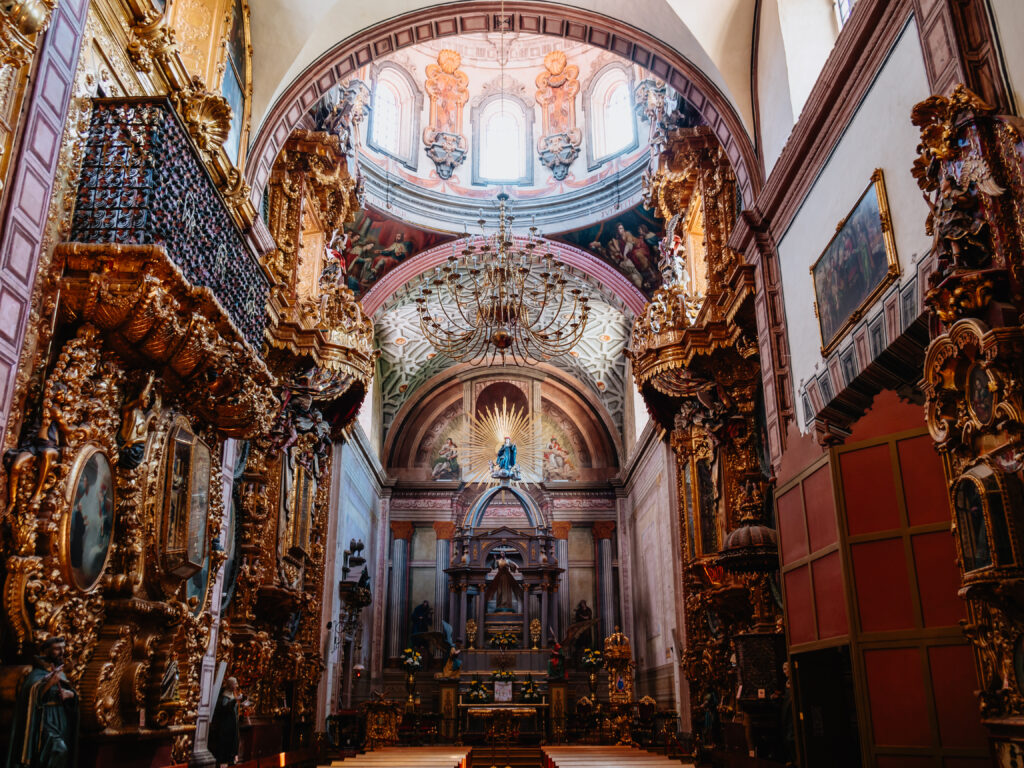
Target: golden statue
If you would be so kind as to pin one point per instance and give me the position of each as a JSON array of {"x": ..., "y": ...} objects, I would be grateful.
[{"x": 136, "y": 418}]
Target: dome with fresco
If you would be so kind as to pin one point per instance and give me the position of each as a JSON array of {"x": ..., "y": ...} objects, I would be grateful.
[{"x": 436, "y": 130}]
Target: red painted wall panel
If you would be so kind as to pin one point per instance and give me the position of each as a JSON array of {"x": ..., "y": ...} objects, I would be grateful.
[
  {"x": 821, "y": 509},
  {"x": 830, "y": 597},
  {"x": 792, "y": 536},
  {"x": 953, "y": 683},
  {"x": 869, "y": 490},
  {"x": 798, "y": 606},
  {"x": 882, "y": 586},
  {"x": 896, "y": 696},
  {"x": 938, "y": 579},
  {"x": 924, "y": 482}
]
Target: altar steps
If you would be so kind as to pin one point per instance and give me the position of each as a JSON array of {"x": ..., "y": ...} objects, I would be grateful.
[
  {"x": 407, "y": 757},
  {"x": 513, "y": 757},
  {"x": 606, "y": 757}
]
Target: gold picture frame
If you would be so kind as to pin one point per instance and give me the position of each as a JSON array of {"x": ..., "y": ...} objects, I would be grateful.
[
  {"x": 856, "y": 266},
  {"x": 88, "y": 529},
  {"x": 186, "y": 502}
]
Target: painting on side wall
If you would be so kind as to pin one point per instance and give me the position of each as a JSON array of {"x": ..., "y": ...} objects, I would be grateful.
[
  {"x": 628, "y": 242},
  {"x": 856, "y": 266}
]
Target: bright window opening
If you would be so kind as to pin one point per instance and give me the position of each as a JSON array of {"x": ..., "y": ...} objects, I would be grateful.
[
  {"x": 387, "y": 113},
  {"x": 502, "y": 142}
]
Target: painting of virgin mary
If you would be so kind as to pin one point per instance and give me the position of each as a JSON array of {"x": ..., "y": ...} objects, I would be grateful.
[{"x": 92, "y": 520}]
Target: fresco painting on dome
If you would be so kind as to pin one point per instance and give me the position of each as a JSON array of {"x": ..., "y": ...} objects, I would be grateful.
[
  {"x": 439, "y": 446},
  {"x": 373, "y": 244},
  {"x": 560, "y": 459},
  {"x": 628, "y": 242}
]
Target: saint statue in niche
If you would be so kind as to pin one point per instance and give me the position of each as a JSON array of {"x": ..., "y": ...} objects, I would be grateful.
[{"x": 503, "y": 587}]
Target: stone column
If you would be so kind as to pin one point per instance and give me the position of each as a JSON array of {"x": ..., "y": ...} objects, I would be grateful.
[
  {"x": 603, "y": 530},
  {"x": 560, "y": 530},
  {"x": 526, "y": 617},
  {"x": 398, "y": 599},
  {"x": 481, "y": 605},
  {"x": 444, "y": 532},
  {"x": 460, "y": 630},
  {"x": 544, "y": 615}
]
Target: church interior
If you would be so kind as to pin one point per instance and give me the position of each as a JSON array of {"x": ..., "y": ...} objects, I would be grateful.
[{"x": 516, "y": 383}]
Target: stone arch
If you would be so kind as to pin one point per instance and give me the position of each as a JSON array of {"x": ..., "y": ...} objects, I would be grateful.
[{"x": 577, "y": 24}]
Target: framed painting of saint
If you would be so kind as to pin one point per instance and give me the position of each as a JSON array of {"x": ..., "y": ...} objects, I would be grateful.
[
  {"x": 858, "y": 263},
  {"x": 186, "y": 502},
  {"x": 90, "y": 526}
]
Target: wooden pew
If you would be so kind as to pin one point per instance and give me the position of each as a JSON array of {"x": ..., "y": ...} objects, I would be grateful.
[
  {"x": 404, "y": 757},
  {"x": 605, "y": 757}
]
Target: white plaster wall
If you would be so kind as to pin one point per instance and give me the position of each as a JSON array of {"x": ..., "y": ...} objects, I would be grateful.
[
  {"x": 1009, "y": 21},
  {"x": 773, "y": 98},
  {"x": 354, "y": 499},
  {"x": 809, "y": 30},
  {"x": 880, "y": 135},
  {"x": 655, "y": 575}
]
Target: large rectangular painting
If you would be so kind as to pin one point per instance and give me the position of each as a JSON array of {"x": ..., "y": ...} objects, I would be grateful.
[{"x": 856, "y": 266}]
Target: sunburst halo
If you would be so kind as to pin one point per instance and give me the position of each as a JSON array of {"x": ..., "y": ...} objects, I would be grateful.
[{"x": 487, "y": 431}]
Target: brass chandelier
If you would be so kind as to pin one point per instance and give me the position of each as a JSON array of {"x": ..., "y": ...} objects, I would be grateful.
[{"x": 499, "y": 300}]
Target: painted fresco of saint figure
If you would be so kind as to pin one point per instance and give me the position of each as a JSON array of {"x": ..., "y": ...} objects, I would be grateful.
[{"x": 447, "y": 465}]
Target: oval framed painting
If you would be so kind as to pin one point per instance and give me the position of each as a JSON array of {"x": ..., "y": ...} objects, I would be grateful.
[{"x": 90, "y": 522}]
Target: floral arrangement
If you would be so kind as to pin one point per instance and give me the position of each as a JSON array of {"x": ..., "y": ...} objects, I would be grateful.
[
  {"x": 503, "y": 674},
  {"x": 592, "y": 659},
  {"x": 412, "y": 660},
  {"x": 530, "y": 691},
  {"x": 477, "y": 691},
  {"x": 506, "y": 638}
]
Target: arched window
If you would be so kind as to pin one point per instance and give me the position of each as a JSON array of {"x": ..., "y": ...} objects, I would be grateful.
[
  {"x": 611, "y": 123},
  {"x": 502, "y": 128},
  {"x": 395, "y": 114},
  {"x": 388, "y": 111},
  {"x": 843, "y": 10}
]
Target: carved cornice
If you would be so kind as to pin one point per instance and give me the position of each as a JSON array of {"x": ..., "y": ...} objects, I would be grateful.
[
  {"x": 20, "y": 23},
  {"x": 151, "y": 316}
]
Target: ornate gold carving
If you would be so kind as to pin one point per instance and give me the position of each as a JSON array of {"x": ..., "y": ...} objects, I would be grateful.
[
  {"x": 20, "y": 22},
  {"x": 138, "y": 297},
  {"x": 207, "y": 117},
  {"x": 971, "y": 170}
]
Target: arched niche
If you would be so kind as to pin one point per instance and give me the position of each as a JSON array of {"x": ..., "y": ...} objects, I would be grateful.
[{"x": 432, "y": 413}]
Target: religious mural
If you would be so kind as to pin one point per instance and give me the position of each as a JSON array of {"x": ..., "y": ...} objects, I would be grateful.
[
  {"x": 560, "y": 455},
  {"x": 628, "y": 242},
  {"x": 372, "y": 245}
]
